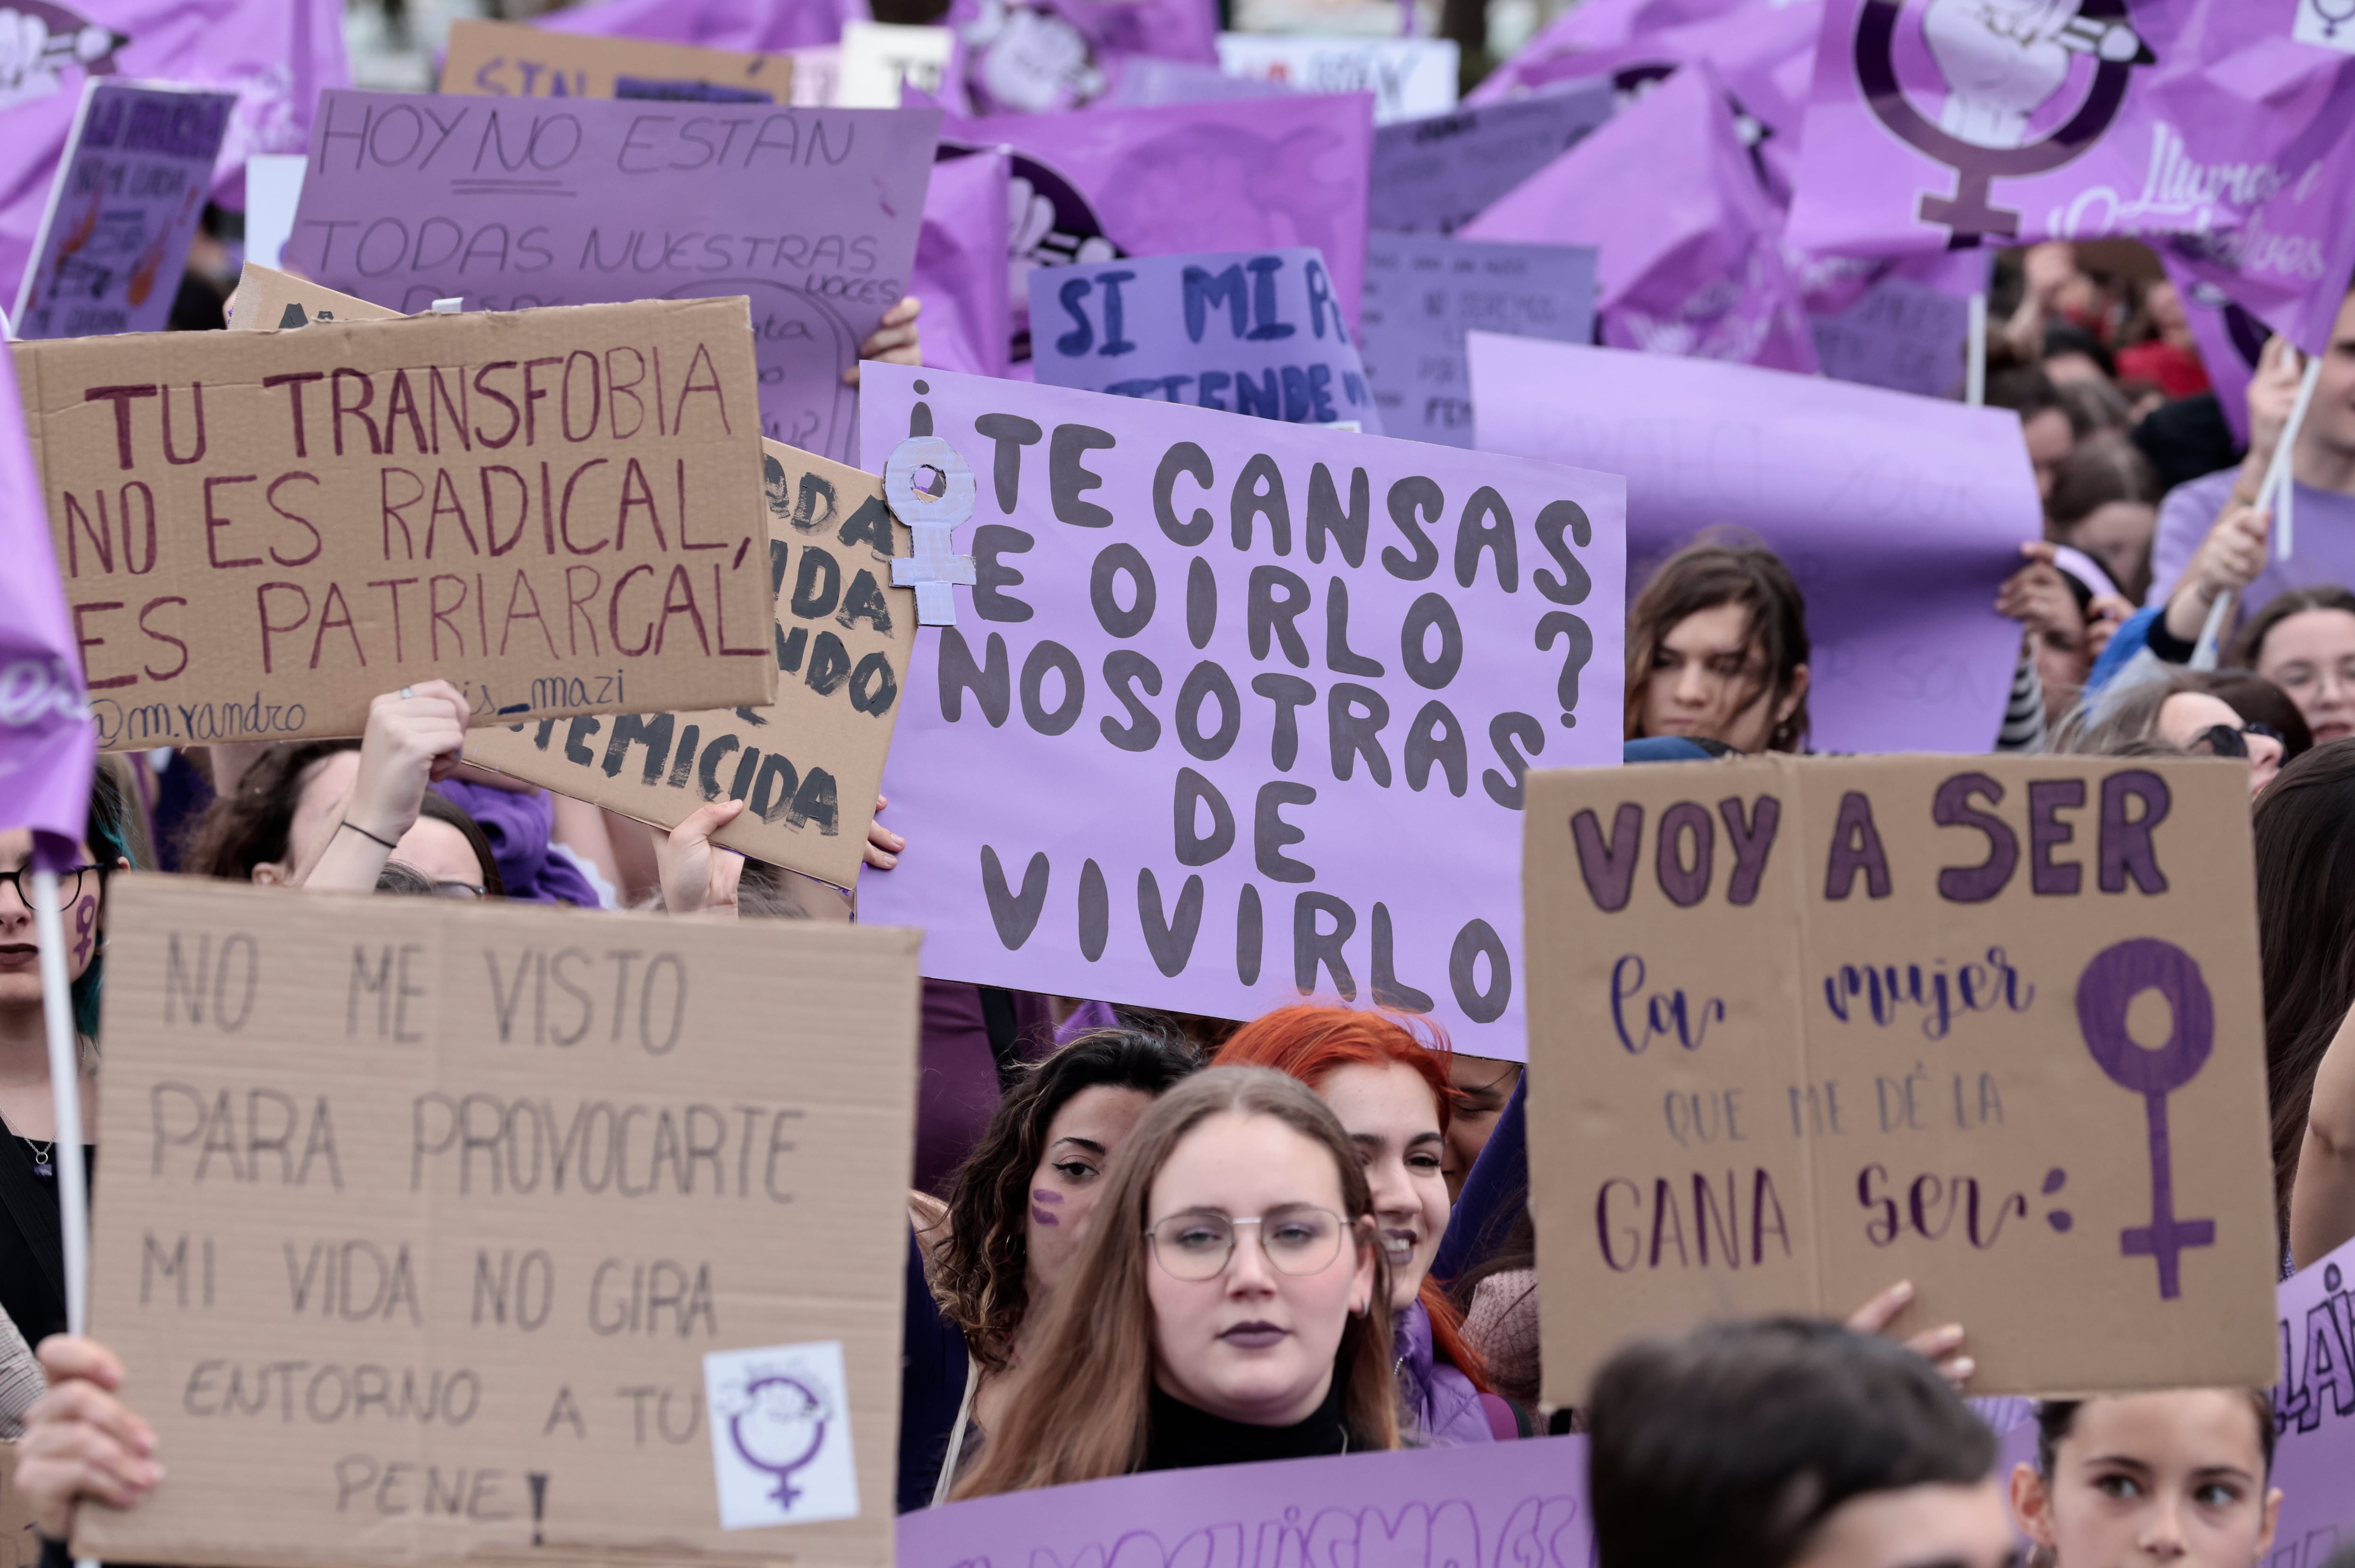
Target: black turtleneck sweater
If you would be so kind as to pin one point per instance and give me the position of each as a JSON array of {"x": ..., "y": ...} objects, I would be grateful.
[{"x": 1180, "y": 1437}]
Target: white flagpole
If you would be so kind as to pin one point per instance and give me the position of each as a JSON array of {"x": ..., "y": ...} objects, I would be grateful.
[
  {"x": 64, "y": 1090},
  {"x": 1974, "y": 372},
  {"x": 2281, "y": 482}
]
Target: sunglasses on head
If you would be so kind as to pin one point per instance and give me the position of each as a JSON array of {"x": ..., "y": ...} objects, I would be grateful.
[{"x": 2225, "y": 740}]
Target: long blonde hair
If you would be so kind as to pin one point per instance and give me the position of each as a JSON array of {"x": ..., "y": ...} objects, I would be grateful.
[{"x": 1080, "y": 1412}]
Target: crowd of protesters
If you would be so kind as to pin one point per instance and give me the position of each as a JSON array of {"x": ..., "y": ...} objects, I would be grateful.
[{"x": 1138, "y": 1242}]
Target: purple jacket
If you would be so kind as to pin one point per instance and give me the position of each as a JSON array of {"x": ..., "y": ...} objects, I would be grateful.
[{"x": 1448, "y": 1411}]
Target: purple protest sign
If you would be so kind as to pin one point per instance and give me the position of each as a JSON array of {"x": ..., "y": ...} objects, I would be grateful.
[
  {"x": 1900, "y": 516},
  {"x": 2314, "y": 1410},
  {"x": 754, "y": 26},
  {"x": 1252, "y": 332},
  {"x": 48, "y": 743},
  {"x": 1030, "y": 57},
  {"x": 1600, "y": 24},
  {"x": 114, "y": 240},
  {"x": 2200, "y": 125},
  {"x": 1248, "y": 174},
  {"x": 1690, "y": 259},
  {"x": 275, "y": 55},
  {"x": 1437, "y": 174},
  {"x": 1899, "y": 333},
  {"x": 962, "y": 259},
  {"x": 515, "y": 202},
  {"x": 1146, "y": 80},
  {"x": 1424, "y": 292},
  {"x": 1268, "y": 691},
  {"x": 1507, "y": 1505}
]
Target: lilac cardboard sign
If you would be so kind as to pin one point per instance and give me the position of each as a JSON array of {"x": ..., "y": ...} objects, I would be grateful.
[
  {"x": 1408, "y": 77},
  {"x": 1268, "y": 691},
  {"x": 1438, "y": 173},
  {"x": 813, "y": 213},
  {"x": 129, "y": 191},
  {"x": 1423, "y": 293},
  {"x": 1512, "y": 1505},
  {"x": 1909, "y": 653},
  {"x": 2314, "y": 1410},
  {"x": 1905, "y": 336},
  {"x": 1255, "y": 333},
  {"x": 1245, "y": 175}
]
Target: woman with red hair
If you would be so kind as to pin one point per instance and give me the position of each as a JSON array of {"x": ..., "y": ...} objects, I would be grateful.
[{"x": 1391, "y": 1092}]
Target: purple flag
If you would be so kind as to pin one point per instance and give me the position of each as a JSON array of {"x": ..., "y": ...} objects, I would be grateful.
[
  {"x": 1900, "y": 516},
  {"x": 275, "y": 55},
  {"x": 2230, "y": 340},
  {"x": 1505, "y": 1504},
  {"x": 1763, "y": 54},
  {"x": 1903, "y": 325},
  {"x": 1029, "y": 57},
  {"x": 2200, "y": 126},
  {"x": 812, "y": 212},
  {"x": 754, "y": 26},
  {"x": 48, "y": 743},
  {"x": 1690, "y": 261},
  {"x": 1437, "y": 174},
  {"x": 1269, "y": 690},
  {"x": 2314, "y": 1407},
  {"x": 961, "y": 264},
  {"x": 1251, "y": 174},
  {"x": 1600, "y": 24},
  {"x": 129, "y": 193},
  {"x": 1250, "y": 332}
]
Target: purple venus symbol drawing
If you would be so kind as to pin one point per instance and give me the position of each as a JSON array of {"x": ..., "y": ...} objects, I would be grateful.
[
  {"x": 2002, "y": 63},
  {"x": 781, "y": 1428},
  {"x": 2105, "y": 991}
]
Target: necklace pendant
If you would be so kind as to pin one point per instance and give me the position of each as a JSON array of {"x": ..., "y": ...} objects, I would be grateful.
[{"x": 44, "y": 1169}]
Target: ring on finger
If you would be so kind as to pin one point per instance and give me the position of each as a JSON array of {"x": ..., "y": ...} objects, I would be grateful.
[{"x": 406, "y": 693}]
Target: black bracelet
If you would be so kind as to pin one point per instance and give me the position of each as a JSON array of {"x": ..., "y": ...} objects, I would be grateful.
[{"x": 363, "y": 833}]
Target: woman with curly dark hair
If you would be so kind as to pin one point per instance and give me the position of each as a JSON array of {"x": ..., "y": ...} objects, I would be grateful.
[{"x": 990, "y": 1263}]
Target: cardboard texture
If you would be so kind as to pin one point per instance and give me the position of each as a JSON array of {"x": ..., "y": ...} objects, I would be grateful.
[
  {"x": 507, "y": 203},
  {"x": 811, "y": 763},
  {"x": 507, "y": 59},
  {"x": 20, "y": 1540},
  {"x": 269, "y": 299},
  {"x": 1234, "y": 710},
  {"x": 555, "y": 511},
  {"x": 1820, "y": 1043},
  {"x": 126, "y": 200},
  {"x": 423, "y": 1219}
]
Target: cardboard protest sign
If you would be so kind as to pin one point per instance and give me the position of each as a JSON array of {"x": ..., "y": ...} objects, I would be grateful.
[
  {"x": 1509, "y": 1505},
  {"x": 1907, "y": 657},
  {"x": 268, "y": 300},
  {"x": 1823, "y": 1024},
  {"x": 547, "y": 1256},
  {"x": 1256, "y": 333},
  {"x": 1927, "y": 129},
  {"x": 409, "y": 200},
  {"x": 809, "y": 764},
  {"x": 1247, "y": 174},
  {"x": 20, "y": 1538},
  {"x": 555, "y": 511},
  {"x": 129, "y": 191},
  {"x": 1424, "y": 292},
  {"x": 1269, "y": 692},
  {"x": 504, "y": 60},
  {"x": 1438, "y": 174},
  {"x": 1408, "y": 77}
]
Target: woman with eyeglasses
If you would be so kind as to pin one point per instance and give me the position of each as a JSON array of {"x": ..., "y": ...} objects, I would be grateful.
[
  {"x": 32, "y": 1258},
  {"x": 332, "y": 815},
  {"x": 2179, "y": 710},
  {"x": 1226, "y": 1305},
  {"x": 2303, "y": 642},
  {"x": 1392, "y": 1094}
]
